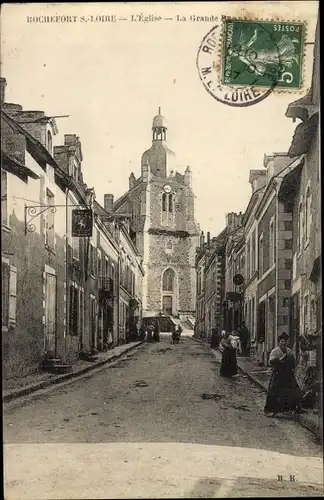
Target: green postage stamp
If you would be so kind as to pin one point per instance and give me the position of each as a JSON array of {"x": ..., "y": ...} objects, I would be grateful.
[{"x": 262, "y": 53}]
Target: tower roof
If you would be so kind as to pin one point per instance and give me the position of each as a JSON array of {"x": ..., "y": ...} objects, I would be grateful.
[{"x": 159, "y": 121}]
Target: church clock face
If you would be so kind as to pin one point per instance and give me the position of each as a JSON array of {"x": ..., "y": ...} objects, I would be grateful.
[{"x": 167, "y": 188}]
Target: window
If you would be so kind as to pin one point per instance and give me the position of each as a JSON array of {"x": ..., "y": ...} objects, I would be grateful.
[
  {"x": 164, "y": 202},
  {"x": 261, "y": 267},
  {"x": 107, "y": 268},
  {"x": 8, "y": 293},
  {"x": 74, "y": 310},
  {"x": 306, "y": 306},
  {"x": 253, "y": 252},
  {"x": 300, "y": 227},
  {"x": 75, "y": 248},
  {"x": 170, "y": 203},
  {"x": 288, "y": 244},
  {"x": 49, "y": 142},
  {"x": 50, "y": 220},
  {"x": 248, "y": 262},
  {"x": 288, "y": 225},
  {"x": 307, "y": 215},
  {"x": 168, "y": 280},
  {"x": 4, "y": 198},
  {"x": 99, "y": 263},
  {"x": 92, "y": 260},
  {"x": 271, "y": 243}
]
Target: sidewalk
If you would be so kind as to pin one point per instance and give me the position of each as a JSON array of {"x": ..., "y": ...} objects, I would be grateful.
[
  {"x": 15, "y": 388},
  {"x": 260, "y": 375}
]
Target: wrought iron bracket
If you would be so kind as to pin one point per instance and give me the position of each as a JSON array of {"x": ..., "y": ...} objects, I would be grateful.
[{"x": 34, "y": 211}]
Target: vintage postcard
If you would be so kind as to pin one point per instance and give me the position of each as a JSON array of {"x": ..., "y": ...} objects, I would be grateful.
[{"x": 161, "y": 250}]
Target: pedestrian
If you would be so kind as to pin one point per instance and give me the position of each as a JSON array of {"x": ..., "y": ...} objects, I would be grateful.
[
  {"x": 156, "y": 332},
  {"x": 244, "y": 338},
  {"x": 142, "y": 333},
  {"x": 284, "y": 394},
  {"x": 150, "y": 332},
  {"x": 215, "y": 339},
  {"x": 229, "y": 362}
]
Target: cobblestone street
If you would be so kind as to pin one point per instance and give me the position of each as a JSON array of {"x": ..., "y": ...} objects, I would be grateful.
[{"x": 158, "y": 423}]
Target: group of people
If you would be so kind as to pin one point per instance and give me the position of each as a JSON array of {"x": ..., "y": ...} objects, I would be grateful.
[
  {"x": 239, "y": 339},
  {"x": 284, "y": 396},
  {"x": 150, "y": 333}
]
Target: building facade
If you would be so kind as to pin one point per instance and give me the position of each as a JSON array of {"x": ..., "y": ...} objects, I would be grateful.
[
  {"x": 258, "y": 181},
  {"x": 61, "y": 290},
  {"x": 163, "y": 227}
]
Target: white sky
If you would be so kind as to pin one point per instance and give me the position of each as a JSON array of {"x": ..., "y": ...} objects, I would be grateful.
[{"x": 110, "y": 79}]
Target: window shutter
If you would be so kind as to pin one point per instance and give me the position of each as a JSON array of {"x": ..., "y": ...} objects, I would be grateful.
[{"x": 12, "y": 295}]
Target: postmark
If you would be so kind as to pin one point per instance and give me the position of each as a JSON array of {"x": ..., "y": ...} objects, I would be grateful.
[{"x": 241, "y": 62}]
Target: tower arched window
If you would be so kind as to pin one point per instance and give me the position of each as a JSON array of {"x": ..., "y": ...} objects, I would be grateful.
[
  {"x": 164, "y": 202},
  {"x": 170, "y": 203},
  {"x": 168, "y": 280},
  {"x": 307, "y": 215},
  {"x": 49, "y": 142}
]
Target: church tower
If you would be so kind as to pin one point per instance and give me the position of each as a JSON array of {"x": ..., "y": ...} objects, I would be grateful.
[{"x": 163, "y": 228}]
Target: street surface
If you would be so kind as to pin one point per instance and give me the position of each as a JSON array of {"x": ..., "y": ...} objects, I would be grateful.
[{"x": 159, "y": 423}]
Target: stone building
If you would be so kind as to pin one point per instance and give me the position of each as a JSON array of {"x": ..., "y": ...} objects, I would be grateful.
[
  {"x": 163, "y": 227},
  {"x": 234, "y": 268},
  {"x": 274, "y": 230},
  {"x": 250, "y": 227},
  {"x": 212, "y": 279},
  {"x": 60, "y": 291},
  {"x": 301, "y": 188}
]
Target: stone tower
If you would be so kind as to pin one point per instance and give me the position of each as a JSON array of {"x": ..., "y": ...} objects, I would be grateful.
[{"x": 163, "y": 227}]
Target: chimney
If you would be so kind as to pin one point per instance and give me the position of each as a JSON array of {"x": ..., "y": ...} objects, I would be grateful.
[
  {"x": 109, "y": 202},
  {"x": 208, "y": 239},
  {"x": 3, "y": 84}
]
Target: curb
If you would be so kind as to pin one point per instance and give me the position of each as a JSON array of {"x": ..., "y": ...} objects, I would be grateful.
[
  {"x": 24, "y": 391},
  {"x": 302, "y": 419}
]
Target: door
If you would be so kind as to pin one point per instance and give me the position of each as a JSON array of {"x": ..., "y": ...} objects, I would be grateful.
[
  {"x": 295, "y": 323},
  {"x": 50, "y": 314},
  {"x": 167, "y": 304}
]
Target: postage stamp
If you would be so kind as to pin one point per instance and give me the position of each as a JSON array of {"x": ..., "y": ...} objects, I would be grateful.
[
  {"x": 262, "y": 53},
  {"x": 241, "y": 62}
]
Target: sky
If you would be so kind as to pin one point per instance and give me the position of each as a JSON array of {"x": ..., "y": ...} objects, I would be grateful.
[{"x": 111, "y": 77}]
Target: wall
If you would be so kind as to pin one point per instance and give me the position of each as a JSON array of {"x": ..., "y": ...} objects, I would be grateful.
[{"x": 23, "y": 345}]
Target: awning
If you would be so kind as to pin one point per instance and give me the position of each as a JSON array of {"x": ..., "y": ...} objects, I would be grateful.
[
  {"x": 290, "y": 182},
  {"x": 13, "y": 166},
  {"x": 316, "y": 269},
  {"x": 303, "y": 136}
]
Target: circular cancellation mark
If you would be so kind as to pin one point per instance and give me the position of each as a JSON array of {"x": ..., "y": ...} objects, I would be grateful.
[{"x": 218, "y": 77}]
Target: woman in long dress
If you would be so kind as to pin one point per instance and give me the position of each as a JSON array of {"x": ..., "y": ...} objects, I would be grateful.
[
  {"x": 284, "y": 394},
  {"x": 229, "y": 362}
]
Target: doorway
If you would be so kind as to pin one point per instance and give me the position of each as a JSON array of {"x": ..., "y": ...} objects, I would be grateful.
[
  {"x": 50, "y": 314},
  {"x": 167, "y": 304}
]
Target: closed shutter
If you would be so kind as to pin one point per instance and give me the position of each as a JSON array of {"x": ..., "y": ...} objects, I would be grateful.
[
  {"x": 13, "y": 295},
  {"x": 5, "y": 292}
]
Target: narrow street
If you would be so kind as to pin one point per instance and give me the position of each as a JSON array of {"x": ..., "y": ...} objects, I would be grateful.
[{"x": 159, "y": 423}]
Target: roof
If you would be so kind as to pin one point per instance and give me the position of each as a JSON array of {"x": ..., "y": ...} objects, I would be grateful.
[
  {"x": 159, "y": 121},
  {"x": 34, "y": 147},
  {"x": 13, "y": 166}
]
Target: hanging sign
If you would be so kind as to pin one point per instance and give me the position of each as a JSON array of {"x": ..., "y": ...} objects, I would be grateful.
[{"x": 82, "y": 223}]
